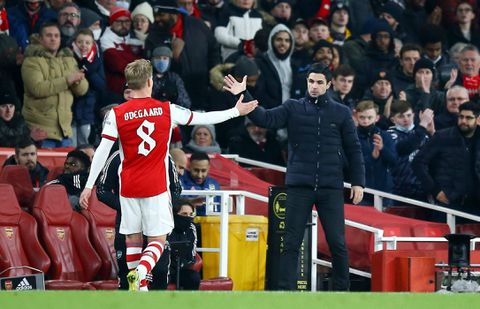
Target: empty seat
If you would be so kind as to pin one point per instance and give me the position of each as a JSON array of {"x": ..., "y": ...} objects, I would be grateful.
[
  {"x": 101, "y": 219},
  {"x": 19, "y": 177},
  {"x": 65, "y": 236}
]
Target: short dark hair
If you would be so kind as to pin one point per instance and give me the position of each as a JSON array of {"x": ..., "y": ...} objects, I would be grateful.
[
  {"x": 177, "y": 204},
  {"x": 199, "y": 156},
  {"x": 343, "y": 70},
  {"x": 399, "y": 107},
  {"x": 23, "y": 143},
  {"x": 319, "y": 68},
  {"x": 48, "y": 25},
  {"x": 432, "y": 34},
  {"x": 470, "y": 106},
  {"x": 410, "y": 47},
  {"x": 80, "y": 155}
]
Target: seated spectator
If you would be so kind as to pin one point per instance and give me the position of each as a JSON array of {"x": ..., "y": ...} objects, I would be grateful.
[
  {"x": 142, "y": 17},
  {"x": 203, "y": 140},
  {"x": 26, "y": 155},
  {"x": 257, "y": 143},
  {"x": 456, "y": 96},
  {"x": 184, "y": 230},
  {"x": 378, "y": 150},
  {"x": 408, "y": 138},
  {"x": 197, "y": 178},
  {"x": 74, "y": 177}
]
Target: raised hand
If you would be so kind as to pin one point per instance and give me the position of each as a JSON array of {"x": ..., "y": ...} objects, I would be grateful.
[
  {"x": 233, "y": 86},
  {"x": 247, "y": 107}
]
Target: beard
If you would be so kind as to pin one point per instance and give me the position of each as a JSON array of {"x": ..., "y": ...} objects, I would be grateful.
[
  {"x": 68, "y": 31},
  {"x": 121, "y": 32}
]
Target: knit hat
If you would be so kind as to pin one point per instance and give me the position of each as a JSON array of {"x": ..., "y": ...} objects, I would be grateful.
[
  {"x": 317, "y": 21},
  {"x": 118, "y": 12},
  {"x": 382, "y": 75},
  {"x": 276, "y": 2},
  {"x": 144, "y": 9},
  {"x": 301, "y": 21},
  {"x": 8, "y": 94},
  {"x": 338, "y": 5},
  {"x": 89, "y": 17},
  {"x": 369, "y": 25},
  {"x": 395, "y": 10},
  {"x": 423, "y": 63},
  {"x": 381, "y": 26},
  {"x": 320, "y": 44},
  {"x": 165, "y": 6},
  {"x": 245, "y": 66},
  {"x": 162, "y": 51}
]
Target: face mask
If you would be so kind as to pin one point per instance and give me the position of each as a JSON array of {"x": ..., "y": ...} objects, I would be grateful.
[
  {"x": 96, "y": 34},
  {"x": 161, "y": 65},
  {"x": 403, "y": 129},
  {"x": 368, "y": 130},
  {"x": 123, "y": 4},
  {"x": 181, "y": 222}
]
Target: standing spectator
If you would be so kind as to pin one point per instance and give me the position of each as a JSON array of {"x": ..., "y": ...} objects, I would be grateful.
[
  {"x": 51, "y": 78},
  {"x": 142, "y": 17},
  {"x": 448, "y": 117},
  {"x": 317, "y": 156},
  {"x": 26, "y": 18},
  {"x": 403, "y": 73},
  {"x": 69, "y": 18},
  {"x": 203, "y": 140},
  {"x": 408, "y": 138},
  {"x": 194, "y": 48},
  {"x": 301, "y": 56},
  {"x": 465, "y": 29},
  {"x": 119, "y": 49},
  {"x": 26, "y": 155},
  {"x": 342, "y": 83},
  {"x": 339, "y": 15},
  {"x": 87, "y": 54},
  {"x": 275, "y": 80},
  {"x": 378, "y": 150},
  {"x": 444, "y": 165},
  {"x": 239, "y": 22}
]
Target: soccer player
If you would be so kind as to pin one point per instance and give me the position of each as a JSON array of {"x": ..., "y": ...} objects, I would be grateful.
[{"x": 143, "y": 127}]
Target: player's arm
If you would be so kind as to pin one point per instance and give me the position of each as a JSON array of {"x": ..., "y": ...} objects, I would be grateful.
[{"x": 183, "y": 116}]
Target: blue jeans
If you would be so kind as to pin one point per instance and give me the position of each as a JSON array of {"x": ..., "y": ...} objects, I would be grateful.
[{"x": 53, "y": 143}]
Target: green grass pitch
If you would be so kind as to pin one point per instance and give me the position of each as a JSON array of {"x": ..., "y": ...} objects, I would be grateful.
[{"x": 233, "y": 300}]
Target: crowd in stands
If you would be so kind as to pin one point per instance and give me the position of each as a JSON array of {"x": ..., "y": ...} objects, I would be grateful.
[{"x": 405, "y": 68}]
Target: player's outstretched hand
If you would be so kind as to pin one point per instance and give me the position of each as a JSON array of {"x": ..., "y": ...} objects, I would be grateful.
[
  {"x": 84, "y": 197},
  {"x": 234, "y": 87},
  {"x": 247, "y": 107}
]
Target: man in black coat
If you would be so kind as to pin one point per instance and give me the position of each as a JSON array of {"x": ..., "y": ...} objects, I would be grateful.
[{"x": 322, "y": 143}]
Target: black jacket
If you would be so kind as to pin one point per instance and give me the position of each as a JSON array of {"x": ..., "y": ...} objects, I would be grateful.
[
  {"x": 13, "y": 131},
  {"x": 322, "y": 142},
  {"x": 269, "y": 87}
]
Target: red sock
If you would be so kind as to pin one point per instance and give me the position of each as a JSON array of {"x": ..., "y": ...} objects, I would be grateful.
[{"x": 149, "y": 258}]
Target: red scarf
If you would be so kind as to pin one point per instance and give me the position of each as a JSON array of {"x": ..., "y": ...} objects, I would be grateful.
[
  {"x": 90, "y": 56},
  {"x": 177, "y": 29},
  {"x": 3, "y": 21},
  {"x": 324, "y": 10},
  {"x": 471, "y": 84}
]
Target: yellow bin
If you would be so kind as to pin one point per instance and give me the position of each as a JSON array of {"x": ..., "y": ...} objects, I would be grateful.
[{"x": 247, "y": 250}]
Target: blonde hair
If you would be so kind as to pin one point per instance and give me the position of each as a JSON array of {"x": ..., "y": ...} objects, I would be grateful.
[
  {"x": 137, "y": 73},
  {"x": 366, "y": 105}
]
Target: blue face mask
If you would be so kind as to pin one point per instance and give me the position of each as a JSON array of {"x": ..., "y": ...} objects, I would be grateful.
[
  {"x": 403, "y": 129},
  {"x": 161, "y": 65}
]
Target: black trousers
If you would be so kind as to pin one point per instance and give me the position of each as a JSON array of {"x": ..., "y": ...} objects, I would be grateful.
[{"x": 329, "y": 204}]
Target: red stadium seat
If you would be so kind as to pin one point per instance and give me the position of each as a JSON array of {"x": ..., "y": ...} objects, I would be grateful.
[
  {"x": 101, "y": 219},
  {"x": 54, "y": 173},
  {"x": 19, "y": 177},
  {"x": 65, "y": 236},
  {"x": 216, "y": 284}
]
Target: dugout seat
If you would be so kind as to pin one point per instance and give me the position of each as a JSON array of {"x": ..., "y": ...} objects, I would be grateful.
[
  {"x": 65, "y": 237},
  {"x": 55, "y": 172},
  {"x": 19, "y": 177},
  {"x": 101, "y": 219}
]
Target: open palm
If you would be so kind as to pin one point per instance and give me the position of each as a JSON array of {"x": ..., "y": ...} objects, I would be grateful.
[{"x": 233, "y": 86}]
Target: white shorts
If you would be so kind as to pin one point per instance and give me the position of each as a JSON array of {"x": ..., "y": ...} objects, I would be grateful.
[{"x": 151, "y": 216}]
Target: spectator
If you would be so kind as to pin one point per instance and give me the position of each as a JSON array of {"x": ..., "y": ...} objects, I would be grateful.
[
  {"x": 378, "y": 150},
  {"x": 69, "y": 18},
  {"x": 465, "y": 29},
  {"x": 319, "y": 30},
  {"x": 392, "y": 13},
  {"x": 381, "y": 93},
  {"x": 89, "y": 60},
  {"x": 444, "y": 165},
  {"x": 275, "y": 80},
  {"x": 282, "y": 11},
  {"x": 101, "y": 7},
  {"x": 342, "y": 83},
  {"x": 455, "y": 52},
  {"x": 184, "y": 230},
  {"x": 51, "y": 78},
  {"x": 431, "y": 40},
  {"x": 322, "y": 52},
  {"x": 194, "y": 48},
  {"x": 203, "y": 140},
  {"x": 197, "y": 178},
  {"x": 119, "y": 49},
  {"x": 468, "y": 76},
  {"x": 251, "y": 48},
  {"x": 239, "y": 21},
  {"x": 26, "y": 155},
  {"x": 301, "y": 56},
  {"x": 92, "y": 21},
  {"x": 448, "y": 117},
  {"x": 56, "y": 5},
  {"x": 403, "y": 73},
  {"x": 167, "y": 85},
  {"x": 257, "y": 143},
  {"x": 26, "y": 18},
  {"x": 212, "y": 11},
  {"x": 142, "y": 18},
  {"x": 408, "y": 138},
  {"x": 339, "y": 16},
  {"x": 380, "y": 53},
  {"x": 74, "y": 176}
]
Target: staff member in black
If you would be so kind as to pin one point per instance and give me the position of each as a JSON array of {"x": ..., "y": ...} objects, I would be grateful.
[{"x": 322, "y": 143}]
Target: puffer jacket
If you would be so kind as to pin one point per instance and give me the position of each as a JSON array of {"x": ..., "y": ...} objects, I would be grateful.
[
  {"x": 13, "y": 131},
  {"x": 48, "y": 98}
]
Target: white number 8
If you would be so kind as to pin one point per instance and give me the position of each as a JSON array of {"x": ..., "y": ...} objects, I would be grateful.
[{"x": 148, "y": 143}]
